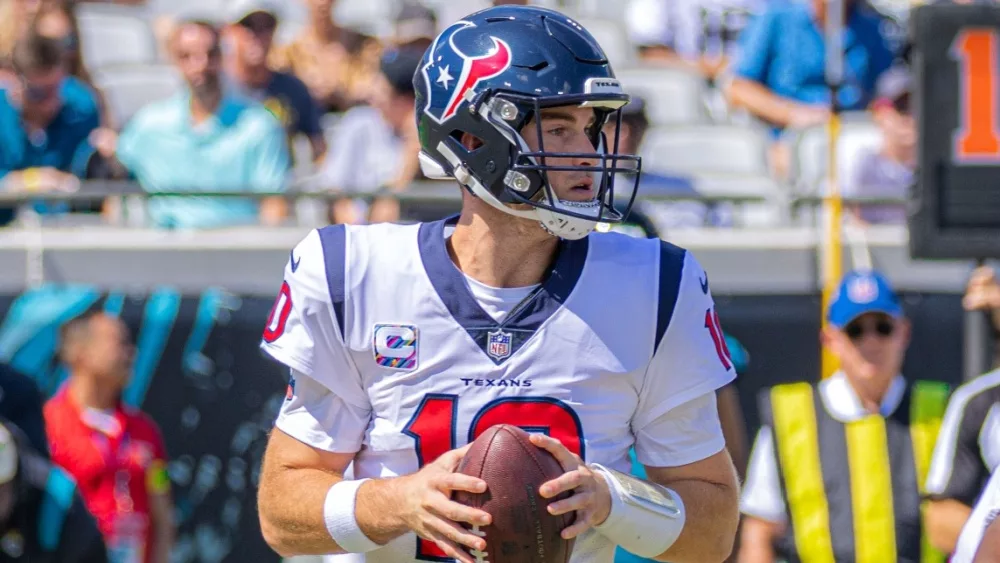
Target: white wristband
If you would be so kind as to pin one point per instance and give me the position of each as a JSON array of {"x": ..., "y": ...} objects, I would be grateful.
[
  {"x": 645, "y": 518},
  {"x": 338, "y": 514}
]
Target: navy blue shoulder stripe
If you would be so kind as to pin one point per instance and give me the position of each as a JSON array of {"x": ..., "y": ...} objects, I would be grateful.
[
  {"x": 334, "y": 241},
  {"x": 671, "y": 271}
]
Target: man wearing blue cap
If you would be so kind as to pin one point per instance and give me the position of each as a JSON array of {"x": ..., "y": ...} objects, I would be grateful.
[{"x": 837, "y": 468}]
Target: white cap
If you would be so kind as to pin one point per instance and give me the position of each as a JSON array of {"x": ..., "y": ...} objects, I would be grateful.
[
  {"x": 239, "y": 9},
  {"x": 8, "y": 456}
]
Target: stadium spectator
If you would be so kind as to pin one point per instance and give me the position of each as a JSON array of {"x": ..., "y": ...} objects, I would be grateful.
[
  {"x": 114, "y": 452},
  {"x": 206, "y": 138},
  {"x": 45, "y": 120},
  {"x": 415, "y": 27},
  {"x": 697, "y": 34},
  {"x": 837, "y": 464},
  {"x": 21, "y": 404},
  {"x": 249, "y": 36},
  {"x": 666, "y": 215},
  {"x": 57, "y": 21},
  {"x": 887, "y": 172},
  {"x": 375, "y": 147},
  {"x": 966, "y": 451},
  {"x": 42, "y": 518},
  {"x": 338, "y": 64},
  {"x": 779, "y": 69}
]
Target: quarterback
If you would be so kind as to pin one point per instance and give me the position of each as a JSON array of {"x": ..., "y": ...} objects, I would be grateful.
[{"x": 405, "y": 342}]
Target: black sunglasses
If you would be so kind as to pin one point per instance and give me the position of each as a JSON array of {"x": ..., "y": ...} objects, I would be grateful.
[{"x": 856, "y": 330}]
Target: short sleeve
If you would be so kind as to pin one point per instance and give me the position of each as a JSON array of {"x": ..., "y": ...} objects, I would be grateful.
[
  {"x": 129, "y": 149},
  {"x": 314, "y": 415},
  {"x": 687, "y": 433},
  {"x": 755, "y": 46},
  {"x": 691, "y": 357},
  {"x": 761, "y": 496},
  {"x": 957, "y": 469},
  {"x": 305, "y": 327}
]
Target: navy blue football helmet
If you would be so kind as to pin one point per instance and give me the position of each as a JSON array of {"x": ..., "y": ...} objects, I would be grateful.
[{"x": 488, "y": 75}]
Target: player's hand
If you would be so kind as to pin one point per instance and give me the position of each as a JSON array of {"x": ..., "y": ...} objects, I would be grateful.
[
  {"x": 428, "y": 510},
  {"x": 591, "y": 497}
]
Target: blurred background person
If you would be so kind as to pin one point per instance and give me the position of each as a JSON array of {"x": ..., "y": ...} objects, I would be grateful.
[
  {"x": 46, "y": 118},
  {"x": 415, "y": 27},
  {"x": 966, "y": 452},
  {"x": 247, "y": 41},
  {"x": 886, "y": 171},
  {"x": 205, "y": 138},
  {"x": 336, "y": 63},
  {"x": 375, "y": 147},
  {"x": 42, "y": 518},
  {"x": 700, "y": 35},
  {"x": 57, "y": 21},
  {"x": 859, "y": 424},
  {"x": 778, "y": 73},
  {"x": 115, "y": 453}
]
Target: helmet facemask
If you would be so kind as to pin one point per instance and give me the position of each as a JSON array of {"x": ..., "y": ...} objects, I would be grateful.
[{"x": 521, "y": 186}]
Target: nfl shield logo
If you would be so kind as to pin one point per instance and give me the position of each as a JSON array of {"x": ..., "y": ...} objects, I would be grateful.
[
  {"x": 498, "y": 345},
  {"x": 862, "y": 290}
]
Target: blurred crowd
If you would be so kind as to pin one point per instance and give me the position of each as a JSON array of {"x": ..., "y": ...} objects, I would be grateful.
[{"x": 230, "y": 101}]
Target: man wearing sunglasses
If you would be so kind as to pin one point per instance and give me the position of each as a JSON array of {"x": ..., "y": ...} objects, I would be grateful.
[
  {"x": 45, "y": 119},
  {"x": 835, "y": 468}
]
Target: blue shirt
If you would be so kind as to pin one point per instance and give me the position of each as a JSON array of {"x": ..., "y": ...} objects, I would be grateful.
[
  {"x": 783, "y": 48},
  {"x": 241, "y": 148},
  {"x": 62, "y": 145}
]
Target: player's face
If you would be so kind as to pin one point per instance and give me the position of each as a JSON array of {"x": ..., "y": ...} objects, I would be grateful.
[
  {"x": 872, "y": 346},
  {"x": 566, "y": 130}
]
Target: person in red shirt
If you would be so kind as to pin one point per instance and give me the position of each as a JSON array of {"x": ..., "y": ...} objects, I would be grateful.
[{"x": 114, "y": 452}]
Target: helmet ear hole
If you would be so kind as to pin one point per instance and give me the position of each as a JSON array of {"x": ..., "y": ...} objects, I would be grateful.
[{"x": 469, "y": 141}]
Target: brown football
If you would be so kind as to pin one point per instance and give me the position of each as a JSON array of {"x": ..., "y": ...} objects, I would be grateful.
[{"x": 522, "y": 530}]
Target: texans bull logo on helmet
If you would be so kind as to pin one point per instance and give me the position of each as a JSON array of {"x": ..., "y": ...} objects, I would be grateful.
[{"x": 453, "y": 71}]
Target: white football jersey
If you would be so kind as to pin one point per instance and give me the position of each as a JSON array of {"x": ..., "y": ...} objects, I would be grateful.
[{"x": 393, "y": 358}]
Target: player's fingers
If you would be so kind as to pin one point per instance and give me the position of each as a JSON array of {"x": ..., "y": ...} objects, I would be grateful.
[
  {"x": 457, "y": 533},
  {"x": 578, "y": 501},
  {"x": 578, "y": 527},
  {"x": 458, "y": 512},
  {"x": 449, "y": 460},
  {"x": 566, "y": 459},
  {"x": 451, "y": 548},
  {"x": 460, "y": 482},
  {"x": 565, "y": 482}
]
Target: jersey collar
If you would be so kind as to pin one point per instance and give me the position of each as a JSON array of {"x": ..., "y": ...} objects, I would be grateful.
[{"x": 498, "y": 341}]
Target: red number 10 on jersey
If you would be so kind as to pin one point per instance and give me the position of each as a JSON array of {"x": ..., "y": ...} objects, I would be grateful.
[{"x": 434, "y": 430}]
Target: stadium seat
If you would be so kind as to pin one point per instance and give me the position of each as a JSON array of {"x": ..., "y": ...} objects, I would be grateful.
[
  {"x": 673, "y": 96},
  {"x": 695, "y": 149},
  {"x": 811, "y": 148},
  {"x": 770, "y": 211},
  {"x": 113, "y": 35},
  {"x": 130, "y": 87}
]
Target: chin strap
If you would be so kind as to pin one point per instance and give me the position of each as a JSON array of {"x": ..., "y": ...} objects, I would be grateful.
[{"x": 557, "y": 224}]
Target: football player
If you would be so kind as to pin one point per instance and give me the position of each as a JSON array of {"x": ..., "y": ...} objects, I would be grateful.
[{"x": 405, "y": 342}]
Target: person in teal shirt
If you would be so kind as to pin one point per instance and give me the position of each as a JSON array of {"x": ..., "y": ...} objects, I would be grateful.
[
  {"x": 45, "y": 120},
  {"x": 205, "y": 139}
]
